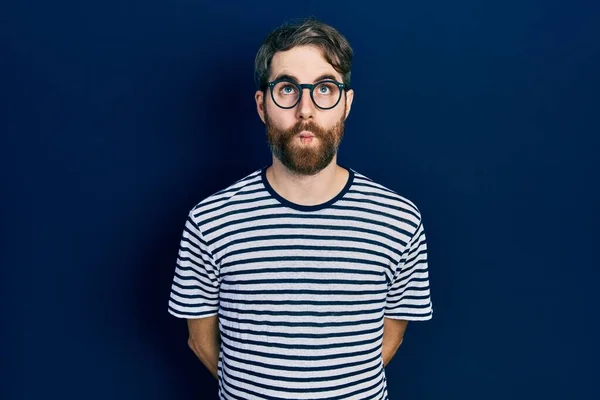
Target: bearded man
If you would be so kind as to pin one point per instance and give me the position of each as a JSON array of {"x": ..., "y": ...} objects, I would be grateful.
[{"x": 298, "y": 280}]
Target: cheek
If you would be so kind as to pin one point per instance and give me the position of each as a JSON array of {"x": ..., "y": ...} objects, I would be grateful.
[
  {"x": 279, "y": 118},
  {"x": 333, "y": 119}
]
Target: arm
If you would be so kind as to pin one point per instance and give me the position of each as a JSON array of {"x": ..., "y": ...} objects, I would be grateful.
[
  {"x": 393, "y": 333},
  {"x": 204, "y": 341}
]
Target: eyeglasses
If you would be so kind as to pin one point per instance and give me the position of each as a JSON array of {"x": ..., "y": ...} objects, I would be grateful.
[{"x": 287, "y": 94}]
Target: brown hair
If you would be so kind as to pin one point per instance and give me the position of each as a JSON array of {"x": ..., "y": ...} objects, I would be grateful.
[{"x": 308, "y": 31}]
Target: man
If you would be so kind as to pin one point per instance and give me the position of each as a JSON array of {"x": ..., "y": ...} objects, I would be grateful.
[{"x": 298, "y": 280}]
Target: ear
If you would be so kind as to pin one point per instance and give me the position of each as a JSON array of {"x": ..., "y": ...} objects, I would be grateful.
[
  {"x": 259, "y": 97},
  {"x": 349, "y": 99}
]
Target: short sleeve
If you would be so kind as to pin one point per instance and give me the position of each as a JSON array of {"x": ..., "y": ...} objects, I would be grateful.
[
  {"x": 195, "y": 286},
  {"x": 408, "y": 296}
]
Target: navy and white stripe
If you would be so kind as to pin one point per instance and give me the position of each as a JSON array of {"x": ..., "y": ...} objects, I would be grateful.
[{"x": 301, "y": 291}]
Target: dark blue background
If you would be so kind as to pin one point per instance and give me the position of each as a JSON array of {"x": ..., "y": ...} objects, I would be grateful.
[{"x": 118, "y": 116}]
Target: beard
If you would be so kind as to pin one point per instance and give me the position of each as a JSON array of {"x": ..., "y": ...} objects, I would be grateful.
[{"x": 305, "y": 160}]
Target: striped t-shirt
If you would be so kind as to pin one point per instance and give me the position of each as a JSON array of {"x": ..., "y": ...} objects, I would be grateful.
[{"x": 301, "y": 291}]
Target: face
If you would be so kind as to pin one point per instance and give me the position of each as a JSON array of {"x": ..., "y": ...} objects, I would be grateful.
[{"x": 305, "y": 139}]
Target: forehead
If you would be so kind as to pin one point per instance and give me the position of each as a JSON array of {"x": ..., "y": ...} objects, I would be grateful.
[{"x": 306, "y": 63}]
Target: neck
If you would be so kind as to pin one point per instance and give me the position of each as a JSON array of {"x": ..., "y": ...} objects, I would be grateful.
[{"x": 307, "y": 190}]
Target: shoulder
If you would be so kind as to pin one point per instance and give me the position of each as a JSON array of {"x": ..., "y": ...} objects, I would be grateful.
[
  {"x": 237, "y": 192},
  {"x": 386, "y": 197}
]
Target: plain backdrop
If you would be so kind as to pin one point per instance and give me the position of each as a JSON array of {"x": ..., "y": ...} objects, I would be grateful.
[{"x": 117, "y": 117}]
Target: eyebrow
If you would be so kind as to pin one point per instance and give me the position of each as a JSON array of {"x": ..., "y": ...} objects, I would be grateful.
[{"x": 295, "y": 80}]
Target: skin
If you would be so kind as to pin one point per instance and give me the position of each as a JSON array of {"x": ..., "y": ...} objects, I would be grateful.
[
  {"x": 306, "y": 64},
  {"x": 204, "y": 341}
]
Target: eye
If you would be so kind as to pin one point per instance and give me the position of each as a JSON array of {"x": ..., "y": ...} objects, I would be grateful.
[
  {"x": 288, "y": 89},
  {"x": 324, "y": 89}
]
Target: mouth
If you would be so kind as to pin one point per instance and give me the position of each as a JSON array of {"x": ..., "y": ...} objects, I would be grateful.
[
  {"x": 306, "y": 134},
  {"x": 306, "y": 137}
]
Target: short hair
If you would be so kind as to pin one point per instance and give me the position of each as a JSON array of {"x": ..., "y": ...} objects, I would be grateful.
[{"x": 303, "y": 32}]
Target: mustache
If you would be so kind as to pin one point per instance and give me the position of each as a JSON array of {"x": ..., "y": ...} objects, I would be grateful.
[{"x": 306, "y": 126}]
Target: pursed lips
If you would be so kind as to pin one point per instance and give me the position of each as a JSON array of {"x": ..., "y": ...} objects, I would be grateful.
[{"x": 306, "y": 137}]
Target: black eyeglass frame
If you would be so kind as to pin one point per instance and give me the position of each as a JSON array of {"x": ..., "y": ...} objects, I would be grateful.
[{"x": 311, "y": 87}]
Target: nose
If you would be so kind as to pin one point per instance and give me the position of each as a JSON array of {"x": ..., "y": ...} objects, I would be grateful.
[{"x": 305, "y": 108}]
